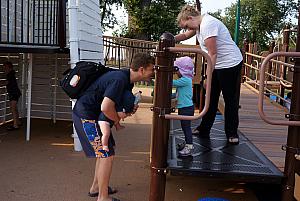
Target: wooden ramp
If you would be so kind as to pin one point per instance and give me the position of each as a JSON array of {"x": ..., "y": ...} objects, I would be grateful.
[{"x": 267, "y": 138}]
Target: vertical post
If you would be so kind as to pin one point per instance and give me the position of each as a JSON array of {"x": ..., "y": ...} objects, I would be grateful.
[
  {"x": 286, "y": 41},
  {"x": 292, "y": 166},
  {"x": 161, "y": 126},
  {"x": 55, "y": 84},
  {"x": 74, "y": 53},
  {"x": 237, "y": 23},
  {"x": 271, "y": 49},
  {"x": 62, "y": 24},
  {"x": 25, "y": 65},
  {"x": 29, "y": 81},
  {"x": 245, "y": 60}
]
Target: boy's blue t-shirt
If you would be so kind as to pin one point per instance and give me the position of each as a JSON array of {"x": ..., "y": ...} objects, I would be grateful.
[
  {"x": 184, "y": 91},
  {"x": 111, "y": 85}
]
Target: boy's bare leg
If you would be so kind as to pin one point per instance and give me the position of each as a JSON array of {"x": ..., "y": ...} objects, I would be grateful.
[
  {"x": 94, "y": 187},
  {"x": 15, "y": 113},
  {"x": 103, "y": 174},
  {"x": 105, "y": 130}
]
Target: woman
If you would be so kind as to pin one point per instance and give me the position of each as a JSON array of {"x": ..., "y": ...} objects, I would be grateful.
[{"x": 214, "y": 38}]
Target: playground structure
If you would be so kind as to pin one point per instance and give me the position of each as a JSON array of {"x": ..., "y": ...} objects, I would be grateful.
[{"x": 42, "y": 97}]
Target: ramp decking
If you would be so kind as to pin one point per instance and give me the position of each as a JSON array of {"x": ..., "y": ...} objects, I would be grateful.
[{"x": 258, "y": 157}]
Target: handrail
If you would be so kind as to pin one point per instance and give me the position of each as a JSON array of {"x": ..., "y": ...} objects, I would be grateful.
[
  {"x": 261, "y": 90},
  {"x": 272, "y": 60},
  {"x": 208, "y": 85}
]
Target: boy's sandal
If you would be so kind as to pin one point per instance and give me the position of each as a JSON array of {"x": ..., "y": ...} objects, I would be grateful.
[
  {"x": 93, "y": 194},
  {"x": 110, "y": 191}
]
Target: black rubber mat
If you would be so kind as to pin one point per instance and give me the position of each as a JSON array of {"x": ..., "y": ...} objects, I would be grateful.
[{"x": 213, "y": 157}]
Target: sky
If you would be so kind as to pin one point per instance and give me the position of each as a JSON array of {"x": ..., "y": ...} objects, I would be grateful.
[
  {"x": 207, "y": 6},
  {"x": 210, "y": 6},
  {"x": 214, "y": 5}
]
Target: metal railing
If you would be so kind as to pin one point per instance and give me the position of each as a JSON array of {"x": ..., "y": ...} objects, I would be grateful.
[
  {"x": 118, "y": 52},
  {"x": 261, "y": 89},
  {"x": 208, "y": 86},
  {"x": 33, "y": 22},
  {"x": 275, "y": 83}
]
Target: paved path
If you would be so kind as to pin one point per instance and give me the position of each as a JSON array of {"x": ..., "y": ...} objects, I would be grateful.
[{"x": 47, "y": 168}]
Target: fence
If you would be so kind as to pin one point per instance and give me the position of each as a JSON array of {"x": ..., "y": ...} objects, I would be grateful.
[
  {"x": 278, "y": 80},
  {"x": 33, "y": 22}
]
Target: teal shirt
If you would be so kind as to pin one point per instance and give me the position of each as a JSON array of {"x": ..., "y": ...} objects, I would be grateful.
[{"x": 184, "y": 91}]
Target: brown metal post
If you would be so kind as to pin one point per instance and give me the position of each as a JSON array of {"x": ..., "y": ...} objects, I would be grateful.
[
  {"x": 271, "y": 49},
  {"x": 202, "y": 90},
  {"x": 292, "y": 166},
  {"x": 286, "y": 41},
  {"x": 61, "y": 31},
  {"x": 245, "y": 60},
  {"x": 160, "y": 125}
]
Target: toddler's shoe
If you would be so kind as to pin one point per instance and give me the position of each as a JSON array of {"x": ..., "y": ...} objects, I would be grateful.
[
  {"x": 180, "y": 146},
  {"x": 187, "y": 150}
]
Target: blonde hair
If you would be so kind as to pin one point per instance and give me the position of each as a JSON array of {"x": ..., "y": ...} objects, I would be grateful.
[{"x": 187, "y": 11}]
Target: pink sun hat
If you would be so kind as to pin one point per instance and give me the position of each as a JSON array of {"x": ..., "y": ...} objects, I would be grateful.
[{"x": 185, "y": 66}]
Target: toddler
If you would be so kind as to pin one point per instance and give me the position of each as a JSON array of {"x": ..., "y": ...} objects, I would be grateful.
[{"x": 184, "y": 101}]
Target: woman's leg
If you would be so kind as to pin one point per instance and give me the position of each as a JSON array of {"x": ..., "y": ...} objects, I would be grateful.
[
  {"x": 209, "y": 118},
  {"x": 230, "y": 80}
]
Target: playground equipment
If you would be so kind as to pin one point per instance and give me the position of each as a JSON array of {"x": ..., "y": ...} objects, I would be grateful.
[
  {"x": 292, "y": 148},
  {"x": 162, "y": 109}
]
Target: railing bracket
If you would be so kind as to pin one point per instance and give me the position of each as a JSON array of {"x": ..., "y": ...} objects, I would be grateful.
[
  {"x": 293, "y": 150},
  {"x": 162, "y": 111},
  {"x": 294, "y": 59},
  {"x": 165, "y": 68},
  {"x": 292, "y": 116},
  {"x": 163, "y": 171}
]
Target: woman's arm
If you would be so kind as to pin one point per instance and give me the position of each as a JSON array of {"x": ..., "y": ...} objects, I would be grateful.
[
  {"x": 184, "y": 36},
  {"x": 211, "y": 46}
]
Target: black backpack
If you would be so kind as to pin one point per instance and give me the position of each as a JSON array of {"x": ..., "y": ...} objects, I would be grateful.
[{"x": 78, "y": 79}]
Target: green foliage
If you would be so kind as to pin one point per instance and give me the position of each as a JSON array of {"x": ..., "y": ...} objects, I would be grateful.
[
  {"x": 148, "y": 19},
  {"x": 260, "y": 20},
  {"x": 108, "y": 18}
]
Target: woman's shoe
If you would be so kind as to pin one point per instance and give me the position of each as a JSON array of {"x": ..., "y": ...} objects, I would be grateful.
[
  {"x": 200, "y": 134},
  {"x": 233, "y": 140}
]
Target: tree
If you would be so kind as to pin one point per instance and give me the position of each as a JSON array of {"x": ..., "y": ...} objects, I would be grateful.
[
  {"x": 148, "y": 19},
  {"x": 108, "y": 18},
  {"x": 260, "y": 20}
]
